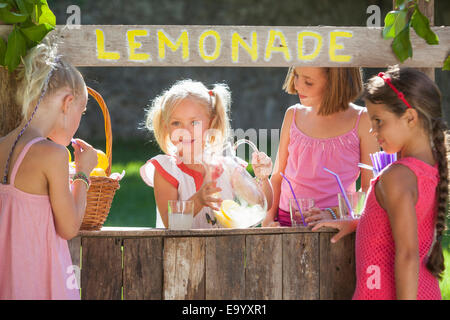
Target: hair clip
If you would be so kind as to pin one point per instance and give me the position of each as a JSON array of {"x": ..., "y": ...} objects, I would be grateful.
[
  {"x": 399, "y": 93},
  {"x": 211, "y": 93}
]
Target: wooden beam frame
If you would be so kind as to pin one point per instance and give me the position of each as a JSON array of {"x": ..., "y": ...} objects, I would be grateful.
[{"x": 240, "y": 46}]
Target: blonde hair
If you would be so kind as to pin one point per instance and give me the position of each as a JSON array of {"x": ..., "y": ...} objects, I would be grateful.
[
  {"x": 344, "y": 85},
  {"x": 217, "y": 101},
  {"x": 36, "y": 68}
]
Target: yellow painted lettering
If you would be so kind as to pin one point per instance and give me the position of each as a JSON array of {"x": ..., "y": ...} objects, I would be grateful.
[
  {"x": 337, "y": 46},
  {"x": 201, "y": 45},
  {"x": 283, "y": 47},
  {"x": 101, "y": 53},
  {"x": 318, "y": 41},
  {"x": 164, "y": 40},
  {"x": 236, "y": 40},
  {"x": 133, "y": 45}
]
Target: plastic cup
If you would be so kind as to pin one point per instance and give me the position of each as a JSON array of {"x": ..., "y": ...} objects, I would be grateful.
[
  {"x": 181, "y": 214},
  {"x": 305, "y": 204},
  {"x": 357, "y": 201}
]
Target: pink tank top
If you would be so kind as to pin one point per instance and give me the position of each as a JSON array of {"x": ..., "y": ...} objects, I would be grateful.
[
  {"x": 375, "y": 247},
  {"x": 308, "y": 156},
  {"x": 35, "y": 261}
]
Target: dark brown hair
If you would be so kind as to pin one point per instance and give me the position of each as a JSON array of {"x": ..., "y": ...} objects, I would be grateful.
[
  {"x": 424, "y": 96},
  {"x": 344, "y": 85}
]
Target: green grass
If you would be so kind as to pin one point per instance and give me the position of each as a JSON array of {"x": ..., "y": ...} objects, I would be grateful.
[
  {"x": 134, "y": 203},
  {"x": 444, "y": 284}
]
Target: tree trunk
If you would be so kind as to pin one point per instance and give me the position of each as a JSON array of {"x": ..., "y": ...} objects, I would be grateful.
[{"x": 10, "y": 112}]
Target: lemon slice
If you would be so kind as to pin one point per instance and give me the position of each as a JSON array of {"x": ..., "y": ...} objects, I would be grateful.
[
  {"x": 223, "y": 220},
  {"x": 227, "y": 206},
  {"x": 70, "y": 155}
]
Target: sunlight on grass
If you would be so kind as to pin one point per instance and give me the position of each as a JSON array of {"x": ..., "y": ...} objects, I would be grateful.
[
  {"x": 134, "y": 202},
  {"x": 445, "y": 282}
]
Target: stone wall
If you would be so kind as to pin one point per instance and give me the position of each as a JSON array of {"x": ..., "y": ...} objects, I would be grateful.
[{"x": 258, "y": 100}]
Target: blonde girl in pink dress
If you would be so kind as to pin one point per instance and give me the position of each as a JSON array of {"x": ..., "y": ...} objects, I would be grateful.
[
  {"x": 324, "y": 130},
  {"x": 38, "y": 212},
  {"x": 398, "y": 237}
]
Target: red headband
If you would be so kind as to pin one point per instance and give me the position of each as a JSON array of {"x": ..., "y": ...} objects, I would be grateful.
[{"x": 399, "y": 94}]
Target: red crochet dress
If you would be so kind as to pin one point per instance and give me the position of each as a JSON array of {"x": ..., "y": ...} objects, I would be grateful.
[{"x": 375, "y": 247}]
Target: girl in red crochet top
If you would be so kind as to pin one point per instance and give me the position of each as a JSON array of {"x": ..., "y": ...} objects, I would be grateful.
[{"x": 398, "y": 237}]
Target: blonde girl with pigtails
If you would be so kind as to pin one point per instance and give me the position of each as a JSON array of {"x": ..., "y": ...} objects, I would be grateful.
[
  {"x": 184, "y": 120},
  {"x": 38, "y": 210}
]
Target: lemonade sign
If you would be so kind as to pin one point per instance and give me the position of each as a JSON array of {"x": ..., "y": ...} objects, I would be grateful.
[{"x": 223, "y": 44}]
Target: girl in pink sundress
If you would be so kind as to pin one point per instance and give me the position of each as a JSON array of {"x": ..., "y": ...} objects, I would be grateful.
[
  {"x": 38, "y": 212},
  {"x": 398, "y": 237}
]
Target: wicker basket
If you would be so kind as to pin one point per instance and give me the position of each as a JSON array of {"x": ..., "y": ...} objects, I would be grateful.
[{"x": 102, "y": 189}]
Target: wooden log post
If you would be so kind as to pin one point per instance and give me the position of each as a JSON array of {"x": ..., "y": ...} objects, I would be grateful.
[{"x": 10, "y": 111}]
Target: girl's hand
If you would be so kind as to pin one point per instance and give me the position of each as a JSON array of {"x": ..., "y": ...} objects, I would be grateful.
[
  {"x": 262, "y": 165},
  {"x": 270, "y": 224},
  {"x": 205, "y": 196},
  {"x": 345, "y": 227},
  {"x": 86, "y": 159},
  {"x": 315, "y": 215}
]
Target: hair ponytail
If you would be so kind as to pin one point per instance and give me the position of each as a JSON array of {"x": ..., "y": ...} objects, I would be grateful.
[
  {"x": 221, "y": 101},
  {"x": 436, "y": 258},
  {"x": 43, "y": 70}
]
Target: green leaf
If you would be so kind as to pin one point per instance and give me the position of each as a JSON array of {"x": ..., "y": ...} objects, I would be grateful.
[
  {"x": 47, "y": 16},
  {"x": 37, "y": 33},
  {"x": 394, "y": 22},
  {"x": 24, "y": 7},
  {"x": 9, "y": 17},
  {"x": 10, "y": 2},
  {"x": 3, "y": 5},
  {"x": 402, "y": 45},
  {"x": 447, "y": 64},
  {"x": 2, "y": 51},
  {"x": 399, "y": 4},
  {"x": 421, "y": 25},
  {"x": 42, "y": 13},
  {"x": 16, "y": 48}
]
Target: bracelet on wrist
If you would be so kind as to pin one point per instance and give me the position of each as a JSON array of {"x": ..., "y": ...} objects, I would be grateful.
[
  {"x": 83, "y": 177},
  {"x": 332, "y": 213}
]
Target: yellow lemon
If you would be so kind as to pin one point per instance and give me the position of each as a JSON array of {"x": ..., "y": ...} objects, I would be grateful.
[
  {"x": 70, "y": 155},
  {"x": 227, "y": 206},
  {"x": 225, "y": 222},
  {"x": 98, "y": 172},
  {"x": 102, "y": 160}
]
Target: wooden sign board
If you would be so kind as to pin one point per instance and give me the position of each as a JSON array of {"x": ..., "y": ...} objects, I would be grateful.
[{"x": 240, "y": 46}]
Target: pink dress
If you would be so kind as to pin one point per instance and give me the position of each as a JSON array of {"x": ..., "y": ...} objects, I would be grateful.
[
  {"x": 304, "y": 168},
  {"x": 375, "y": 247},
  {"x": 35, "y": 261}
]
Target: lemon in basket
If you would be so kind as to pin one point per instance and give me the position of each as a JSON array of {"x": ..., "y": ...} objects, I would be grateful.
[
  {"x": 98, "y": 172},
  {"x": 102, "y": 160}
]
